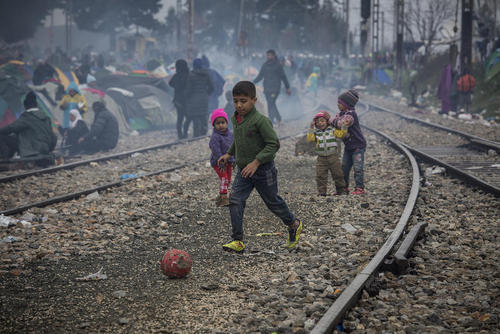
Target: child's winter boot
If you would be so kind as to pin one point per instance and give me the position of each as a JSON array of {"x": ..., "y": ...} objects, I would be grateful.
[{"x": 224, "y": 200}]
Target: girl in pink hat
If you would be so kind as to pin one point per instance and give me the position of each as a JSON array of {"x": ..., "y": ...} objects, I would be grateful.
[{"x": 221, "y": 140}]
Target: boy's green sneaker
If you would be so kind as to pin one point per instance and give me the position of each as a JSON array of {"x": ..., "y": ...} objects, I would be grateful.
[
  {"x": 234, "y": 246},
  {"x": 294, "y": 235}
]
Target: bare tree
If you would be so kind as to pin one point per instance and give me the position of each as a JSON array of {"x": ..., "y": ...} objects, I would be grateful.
[{"x": 424, "y": 19}]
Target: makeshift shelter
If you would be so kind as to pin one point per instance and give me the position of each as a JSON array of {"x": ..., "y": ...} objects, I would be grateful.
[
  {"x": 105, "y": 81},
  {"x": 382, "y": 76},
  {"x": 94, "y": 95},
  {"x": 493, "y": 65},
  {"x": 13, "y": 77},
  {"x": 144, "y": 107},
  {"x": 66, "y": 77}
]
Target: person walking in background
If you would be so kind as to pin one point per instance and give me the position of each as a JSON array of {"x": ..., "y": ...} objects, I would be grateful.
[
  {"x": 354, "y": 141},
  {"x": 444, "y": 89},
  {"x": 198, "y": 88},
  {"x": 103, "y": 135},
  {"x": 328, "y": 151},
  {"x": 254, "y": 147},
  {"x": 218, "y": 83},
  {"x": 273, "y": 74},
  {"x": 221, "y": 140},
  {"x": 178, "y": 82}
]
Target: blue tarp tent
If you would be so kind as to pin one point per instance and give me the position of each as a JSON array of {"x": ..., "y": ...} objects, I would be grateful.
[{"x": 380, "y": 75}]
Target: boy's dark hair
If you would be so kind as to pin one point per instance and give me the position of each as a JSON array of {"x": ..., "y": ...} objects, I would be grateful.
[
  {"x": 271, "y": 51},
  {"x": 245, "y": 88}
]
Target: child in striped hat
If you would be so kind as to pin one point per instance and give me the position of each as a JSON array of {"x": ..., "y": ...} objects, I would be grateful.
[
  {"x": 328, "y": 150},
  {"x": 354, "y": 141}
]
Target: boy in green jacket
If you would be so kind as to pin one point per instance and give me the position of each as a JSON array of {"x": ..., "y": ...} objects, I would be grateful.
[{"x": 254, "y": 146}]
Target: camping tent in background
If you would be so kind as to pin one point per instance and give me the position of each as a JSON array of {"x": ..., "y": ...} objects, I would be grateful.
[
  {"x": 66, "y": 77},
  {"x": 130, "y": 108},
  {"x": 17, "y": 69},
  {"x": 6, "y": 115},
  {"x": 13, "y": 78},
  {"x": 94, "y": 95},
  {"x": 106, "y": 80},
  {"x": 383, "y": 76},
  {"x": 493, "y": 65},
  {"x": 144, "y": 107},
  {"x": 158, "y": 108}
]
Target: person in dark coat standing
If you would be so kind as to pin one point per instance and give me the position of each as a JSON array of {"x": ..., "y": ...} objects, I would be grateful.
[
  {"x": 218, "y": 82},
  {"x": 104, "y": 132},
  {"x": 273, "y": 74},
  {"x": 30, "y": 135},
  {"x": 198, "y": 88},
  {"x": 178, "y": 82}
]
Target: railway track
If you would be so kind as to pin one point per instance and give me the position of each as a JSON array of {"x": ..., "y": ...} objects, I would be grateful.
[
  {"x": 71, "y": 165},
  {"x": 181, "y": 218},
  {"x": 257, "y": 289},
  {"x": 473, "y": 159},
  {"x": 399, "y": 261},
  {"x": 24, "y": 191}
]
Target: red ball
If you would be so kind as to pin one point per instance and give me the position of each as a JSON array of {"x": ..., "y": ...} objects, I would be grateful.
[{"x": 176, "y": 263}]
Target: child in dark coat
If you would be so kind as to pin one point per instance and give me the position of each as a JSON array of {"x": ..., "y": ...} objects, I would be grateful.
[
  {"x": 221, "y": 140},
  {"x": 354, "y": 141}
]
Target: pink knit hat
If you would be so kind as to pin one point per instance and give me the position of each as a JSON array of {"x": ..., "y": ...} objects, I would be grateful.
[
  {"x": 323, "y": 113},
  {"x": 218, "y": 113}
]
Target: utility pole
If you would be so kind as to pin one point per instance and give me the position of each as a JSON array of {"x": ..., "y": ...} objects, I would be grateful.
[
  {"x": 346, "y": 32},
  {"x": 375, "y": 26},
  {"x": 240, "y": 37},
  {"x": 191, "y": 30},
  {"x": 466, "y": 36},
  {"x": 383, "y": 27},
  {"x": 51, "y": 34},
  {"x": 400, "y": 10},
  {"x": 178, "y": 23},
  {"x": 365, "y": 15}
]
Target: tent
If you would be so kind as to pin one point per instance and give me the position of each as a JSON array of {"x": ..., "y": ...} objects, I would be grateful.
[
  {"x": 382, "y": 75},
  {"x": 493, "y": 65},
  {"x": 13, "y": 77},
  {"x": 66, "y": 77},
  {"x": 94, "y": 95},
  {"x": 144, "y": 107},
  {"x": 106, "y": 80}
]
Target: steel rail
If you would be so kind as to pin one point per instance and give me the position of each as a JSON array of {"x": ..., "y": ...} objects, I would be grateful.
[
  {"x": 463, "y": 175},
  {"x": 99, "y": 159},
  {"x": 350, "y": 295},
  {"x": 78, "y": 194},
  {"x": 472, "y": 138}
]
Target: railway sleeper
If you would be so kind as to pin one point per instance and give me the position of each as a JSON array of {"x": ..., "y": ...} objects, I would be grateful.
[{"x": 398, "y": 263}]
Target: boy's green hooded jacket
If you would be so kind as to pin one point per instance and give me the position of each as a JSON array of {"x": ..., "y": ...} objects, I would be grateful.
[{"x": 254, "y": 138}]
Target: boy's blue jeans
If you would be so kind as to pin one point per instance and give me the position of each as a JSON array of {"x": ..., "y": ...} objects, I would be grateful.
[
  {"x": 265, "y": 180},
  {"x": 354, "y": 158}
]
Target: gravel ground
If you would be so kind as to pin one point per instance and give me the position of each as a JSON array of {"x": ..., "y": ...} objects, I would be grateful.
[
  {"x": 452, "y": 285},
  {"x": 127, "y": 230},
  {"x": 40, "y": 187},
  {"x": 125, "y": 143}
]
